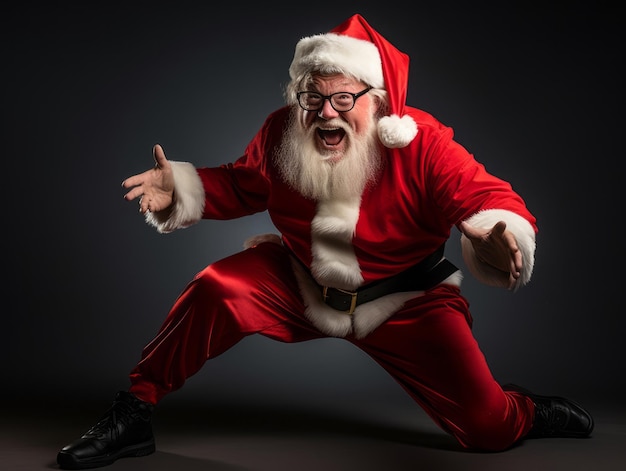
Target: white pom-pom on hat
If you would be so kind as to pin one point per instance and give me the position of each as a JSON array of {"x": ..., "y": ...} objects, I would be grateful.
[{"x": 395, "y": 131}]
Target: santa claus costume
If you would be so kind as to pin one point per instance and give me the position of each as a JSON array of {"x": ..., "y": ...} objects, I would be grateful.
[{"x": 369, "y": 269}]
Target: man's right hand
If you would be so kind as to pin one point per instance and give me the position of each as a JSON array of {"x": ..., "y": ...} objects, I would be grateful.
[{"x": 154, "y": 187}]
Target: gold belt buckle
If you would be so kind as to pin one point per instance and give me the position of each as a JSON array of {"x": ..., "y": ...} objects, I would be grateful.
[{"x": 353, "y": 295}]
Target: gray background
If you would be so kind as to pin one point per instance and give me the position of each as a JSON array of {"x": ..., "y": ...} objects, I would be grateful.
[{"x": 536, "y": 95}]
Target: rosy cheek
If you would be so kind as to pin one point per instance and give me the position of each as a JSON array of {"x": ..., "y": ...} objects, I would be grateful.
[{"x": 360, "y": 126}]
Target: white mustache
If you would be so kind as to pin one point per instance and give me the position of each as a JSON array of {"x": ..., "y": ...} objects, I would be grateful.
[{"x": 335, "y": 123}]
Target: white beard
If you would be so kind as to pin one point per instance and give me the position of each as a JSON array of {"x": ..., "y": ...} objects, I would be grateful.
[
  {"x": 328, "y": 176},
  {"x": 336, "y": 181}
]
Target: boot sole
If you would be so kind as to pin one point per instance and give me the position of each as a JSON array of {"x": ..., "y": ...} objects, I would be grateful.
[{"x": 69, "y": 461}]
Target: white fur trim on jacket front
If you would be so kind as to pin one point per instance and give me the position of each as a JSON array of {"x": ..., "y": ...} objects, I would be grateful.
[
  {"x": 332, "y": 229},
  {"x": 524, "y": 234},
  {"x": 188, "y": 205}
]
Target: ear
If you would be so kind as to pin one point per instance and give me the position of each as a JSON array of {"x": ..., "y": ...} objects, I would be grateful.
[{"x": 379, "y": 106}]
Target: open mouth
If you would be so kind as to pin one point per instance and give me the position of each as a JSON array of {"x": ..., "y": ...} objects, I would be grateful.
[{"x": 331, "y": 137}]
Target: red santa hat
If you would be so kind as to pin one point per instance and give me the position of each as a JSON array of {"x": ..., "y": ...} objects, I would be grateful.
[{"x": 355, "y": 48}]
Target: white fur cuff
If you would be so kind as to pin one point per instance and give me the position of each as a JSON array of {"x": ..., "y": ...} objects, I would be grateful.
[
  {"x": 188, "y": 205},
  {"x": 524, "y": 234}
]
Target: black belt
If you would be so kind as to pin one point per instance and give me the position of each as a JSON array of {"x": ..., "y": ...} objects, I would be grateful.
[{"x": 426, "y": 274}]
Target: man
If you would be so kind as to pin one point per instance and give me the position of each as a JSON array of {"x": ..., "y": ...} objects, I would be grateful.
[{"x": 364, "y": 191}]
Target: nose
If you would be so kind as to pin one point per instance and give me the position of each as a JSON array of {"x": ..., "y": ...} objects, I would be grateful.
[{"x": 327, "y": 111}]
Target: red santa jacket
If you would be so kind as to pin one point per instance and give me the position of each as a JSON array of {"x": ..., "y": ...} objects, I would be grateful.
[{"x": 424, "y": 190}]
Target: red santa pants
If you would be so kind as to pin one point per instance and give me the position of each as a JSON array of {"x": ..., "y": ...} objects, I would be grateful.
[{"x": 427, "y": 347}]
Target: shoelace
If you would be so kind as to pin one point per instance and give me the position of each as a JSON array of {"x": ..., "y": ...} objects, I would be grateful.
[{"x": 119, "y": 412}]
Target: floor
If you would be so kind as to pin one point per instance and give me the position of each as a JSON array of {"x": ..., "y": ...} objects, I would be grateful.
[{"x": 266, "y": 437}]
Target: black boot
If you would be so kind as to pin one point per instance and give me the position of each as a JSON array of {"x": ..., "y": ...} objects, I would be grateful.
[
  {"x": 125, "y": 430},
  {"x": 556, "y": 416}
]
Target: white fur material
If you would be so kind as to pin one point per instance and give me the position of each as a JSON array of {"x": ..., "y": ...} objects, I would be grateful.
[
  {"x": 334, "y": 262},
  {"x": 188, "y": 201},
  {"x": 395, "y": 131},
  {"x": 326, "y": 319},
  {"x": 524, "y": 234},
  {"x": 342, "y": 53}
]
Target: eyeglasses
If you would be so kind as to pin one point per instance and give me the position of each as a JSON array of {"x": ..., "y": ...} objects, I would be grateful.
[{"x": 340, "y": 101}]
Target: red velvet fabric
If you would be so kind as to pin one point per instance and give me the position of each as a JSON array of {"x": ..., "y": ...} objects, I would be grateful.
[
  {"x": 424, "y": 189},
  {"x": 427, "y": 347}
]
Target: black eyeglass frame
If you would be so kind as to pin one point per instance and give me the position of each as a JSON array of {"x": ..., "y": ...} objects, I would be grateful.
[{"x": 355, "y": 96}]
